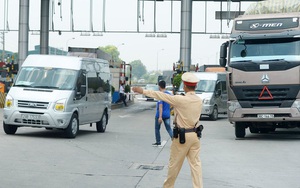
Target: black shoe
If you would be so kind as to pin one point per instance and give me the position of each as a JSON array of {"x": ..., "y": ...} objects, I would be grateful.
[{"x": 156, "y": 144}]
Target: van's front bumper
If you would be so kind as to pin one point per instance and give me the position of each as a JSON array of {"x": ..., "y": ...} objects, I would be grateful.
[{"x": 47, "y": 119}]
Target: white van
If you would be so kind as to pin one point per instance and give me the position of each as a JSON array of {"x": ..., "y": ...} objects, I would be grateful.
[
  {"x": 59, "y": 92},
  {"x": 212, "y": 90}
]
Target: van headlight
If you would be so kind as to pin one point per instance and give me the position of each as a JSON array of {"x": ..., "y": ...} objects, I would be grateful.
[
  {"x": 232, "y": 106},
  {"x": 9, "y": 102},
  {"x": 296, "y": 104},
  {"x": 206, "y": 101},
  {"x": 60, "y": 105}
]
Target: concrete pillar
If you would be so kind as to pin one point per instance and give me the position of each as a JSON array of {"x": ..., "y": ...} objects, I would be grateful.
[
  {"x": 44, "y": 31},
  {"x": 186, "y": 33},
  {"x": 23, "y": 30}
]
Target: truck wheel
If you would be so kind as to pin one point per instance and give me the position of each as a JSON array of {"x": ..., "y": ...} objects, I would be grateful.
[
  {"x": 214, "y": 115},
  {"x": 240, "y": 130},
  {"x": 253, "y": 130},
  {"x": 101, "y": 125},
  {"x": 264, "y": 130},
  {"x": 73, "y": 127},
  {"x": 9, "y": 129}
]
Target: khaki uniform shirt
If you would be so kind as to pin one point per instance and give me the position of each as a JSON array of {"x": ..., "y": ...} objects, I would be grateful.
[{"x": 187, "y": 108}]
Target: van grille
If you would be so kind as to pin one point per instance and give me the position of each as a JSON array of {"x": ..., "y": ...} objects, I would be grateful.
[
  {"x": 33, "y": 104},
  {"x": 31, "y": 121}
]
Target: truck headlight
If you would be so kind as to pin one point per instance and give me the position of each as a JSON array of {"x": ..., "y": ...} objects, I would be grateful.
[
  {"x": 232, "y": 106},
  {"x": 206, "y": 101},
  {"x": 60, "y": 105},
  {"x": 296, "y": 104},
  {"x": 9, "y": 102}
]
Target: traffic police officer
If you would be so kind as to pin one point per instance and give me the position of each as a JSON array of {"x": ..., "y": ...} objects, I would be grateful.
[{"x": 187, "y": 111}]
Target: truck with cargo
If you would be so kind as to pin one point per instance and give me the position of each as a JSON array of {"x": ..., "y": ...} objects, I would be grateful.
[
  {"x": 59, "y": 92},
  {"x": 263, "y": 59}
]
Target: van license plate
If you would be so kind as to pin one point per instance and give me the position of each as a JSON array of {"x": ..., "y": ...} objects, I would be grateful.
[
  {"x": 30, "y": 116},
  {"x": 265, "y": 116}
]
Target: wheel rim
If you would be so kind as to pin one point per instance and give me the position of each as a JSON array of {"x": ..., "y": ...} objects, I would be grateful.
[
  {"x": 215, "y": 113},
  {"x": 104, "y": 121},
  {"x": 74, "y": 126}
]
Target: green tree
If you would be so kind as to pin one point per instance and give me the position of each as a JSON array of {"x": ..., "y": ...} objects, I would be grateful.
[
  {"x": 138, "y": 69},
  {"x": 113, "y": 51},
  {"x": 177, "y": 81}
]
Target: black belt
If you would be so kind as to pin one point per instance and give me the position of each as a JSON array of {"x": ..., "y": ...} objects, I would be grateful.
[{"x": 190, "y": 130}]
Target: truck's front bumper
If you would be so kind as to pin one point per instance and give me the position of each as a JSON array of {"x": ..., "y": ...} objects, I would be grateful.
[{"x": 264, "y": 115}]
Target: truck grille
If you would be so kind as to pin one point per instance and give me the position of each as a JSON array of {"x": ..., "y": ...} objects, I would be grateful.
[
  {"x": 277, "y": 93},
  {"x": 256, "y": 96},
  {"x": 33, "y": 104}
]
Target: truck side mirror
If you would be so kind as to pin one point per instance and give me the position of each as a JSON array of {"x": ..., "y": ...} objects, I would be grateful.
[{"x": 223, "y": 54}]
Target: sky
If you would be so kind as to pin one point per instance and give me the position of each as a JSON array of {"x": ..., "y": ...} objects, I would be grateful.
[{"x": 119, "y": 25}]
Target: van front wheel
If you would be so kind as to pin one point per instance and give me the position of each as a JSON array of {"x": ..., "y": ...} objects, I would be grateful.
[
  {"x": 9, "y": 129},
  {"x": 214, "y": 115},
  {"x": 101, "y": 125},
  {"x": 73, "y": 127}
]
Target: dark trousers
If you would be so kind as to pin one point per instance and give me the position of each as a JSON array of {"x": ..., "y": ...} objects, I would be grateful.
[{"x": 123, "y": 98}]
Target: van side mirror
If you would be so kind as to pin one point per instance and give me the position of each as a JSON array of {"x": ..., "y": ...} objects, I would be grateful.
[
  {"x": 81, "y": 91},
  {"x": 223, "y": 54}
]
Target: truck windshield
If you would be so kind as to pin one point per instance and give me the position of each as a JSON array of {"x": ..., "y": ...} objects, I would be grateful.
[
  {"x": 259, "y": 50},
  {"x": 202, "y": 86},
  {"x": 44, "y": 77}
]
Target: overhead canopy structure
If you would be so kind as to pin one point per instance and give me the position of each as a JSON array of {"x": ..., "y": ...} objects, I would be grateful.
[{"x": 274, "y": 6}]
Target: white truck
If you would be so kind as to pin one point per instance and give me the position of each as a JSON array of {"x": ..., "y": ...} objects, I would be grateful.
[
  {"x": 263, "y": 58},
  {"x": 59, "y": 92}
]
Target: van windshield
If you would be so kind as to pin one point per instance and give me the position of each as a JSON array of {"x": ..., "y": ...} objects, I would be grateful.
[
  {"x": 44, "y": 77},
  {"x": 202, "y": 86}
]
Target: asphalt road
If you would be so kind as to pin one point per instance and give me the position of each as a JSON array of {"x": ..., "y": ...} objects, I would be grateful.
[{"x": 123, "y": 157}]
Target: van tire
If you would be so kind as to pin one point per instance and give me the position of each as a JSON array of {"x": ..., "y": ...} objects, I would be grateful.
[
  {"x": 101, "y": 125},
  {"x": 240, "y": 129},
  {"x": 73, "y": 127},
  {"x": 214, "y": 115},
  {"x": 10, "y": 129}
]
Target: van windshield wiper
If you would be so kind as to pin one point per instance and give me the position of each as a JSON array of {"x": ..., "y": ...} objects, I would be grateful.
[
  {"x": 22, "y": 85},
  {"x": 242, "y": 61},
  {"x": 47, "y": 87},
  {"x": 276, "y": 60},
  {"x": 198, "y": 90}
]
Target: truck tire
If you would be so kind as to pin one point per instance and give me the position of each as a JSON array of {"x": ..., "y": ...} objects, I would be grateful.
[
  {"x": 101, "y": 125},
  {"x": 9, "y": 129},
  {"x": 264, "y": 130},
  {"x": 73, "y": 127},
  {"x": 240, "y": 129},
  {"x": 214, "y": 115},
  {"x": 253, "y": 129}
]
